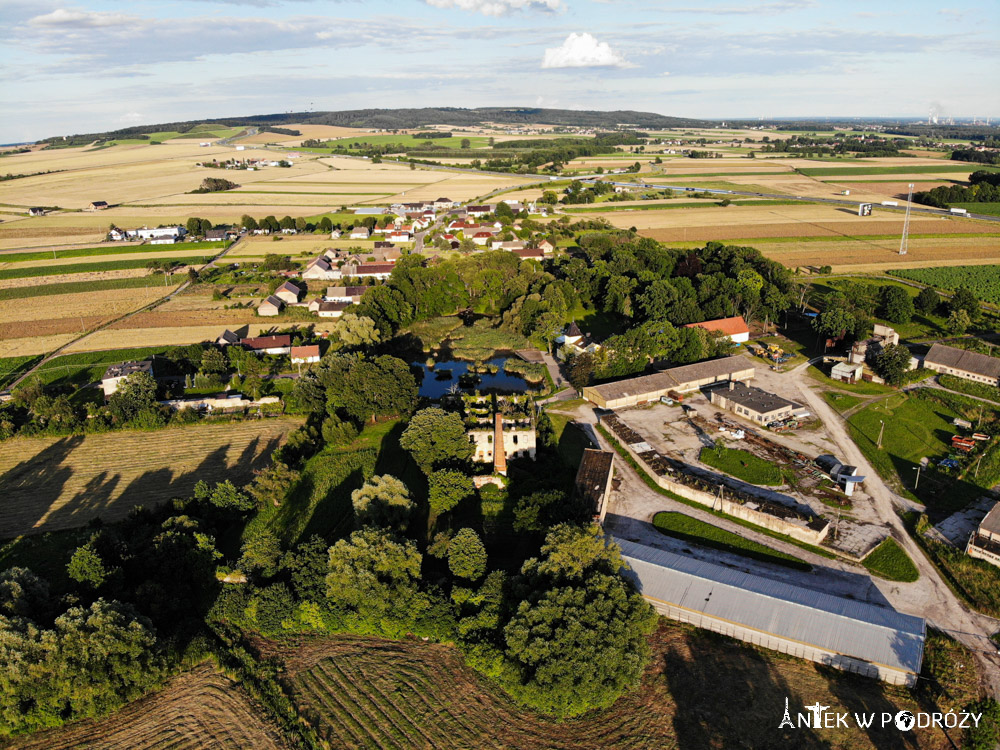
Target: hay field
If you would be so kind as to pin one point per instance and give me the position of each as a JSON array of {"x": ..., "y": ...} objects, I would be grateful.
[
  {"x": 197, "y": 709},
  {"x": 31, "y": 345},
  {"x": 109, "y": 303},
  {"x": 880, "y": 254},
  {"x": 61, "y": 483},
  {"x": 184, "y": 318}
]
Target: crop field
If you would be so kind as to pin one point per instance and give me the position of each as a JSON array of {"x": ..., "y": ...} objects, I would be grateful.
[
  {"x": 197, "y": 709},
  {"x": 848, "y": 254},
  {"x": 992, "y": 209},
  {"x": 53, "y": 284},
  {"x": 368, "y": 693},
  {"x": 107, "y": 304},
  {"x": 31, "y": 345},
  {"x": 57, "y": 268},
  {"x": 184, "y": 318},
  {"x": 984, "y": 280},
  {"x": 61, "y": 483}
]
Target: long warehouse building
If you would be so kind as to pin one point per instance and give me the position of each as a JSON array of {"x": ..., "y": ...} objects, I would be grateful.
[
  {"x": 850, "y": 635},
  {"x": 680, "y": 379}
]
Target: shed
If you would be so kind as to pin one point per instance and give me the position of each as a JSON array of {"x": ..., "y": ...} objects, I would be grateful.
[{"x": 847, "y": 372}]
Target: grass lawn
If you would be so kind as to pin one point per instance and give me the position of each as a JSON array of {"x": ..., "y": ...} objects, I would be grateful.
[
  {"x": 570, "y": 439},
  {"x": 742, "y": 465},
  {"x": 889, "y": 561},
  {"x": 864, "y": 389},
  {"x": 982, "y": 390},
  {"x": 704, "y": 534},
  {"x": 993, "y": 209},
  {"x": 841, "y": 402},
  {"x": 11, "y": 367}
]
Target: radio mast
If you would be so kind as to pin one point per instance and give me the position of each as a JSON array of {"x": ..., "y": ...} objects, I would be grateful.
[{"x": 906, "y": 223}]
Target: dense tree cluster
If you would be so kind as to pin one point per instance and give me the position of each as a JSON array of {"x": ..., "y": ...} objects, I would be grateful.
[{"x": 984, "y": 187}]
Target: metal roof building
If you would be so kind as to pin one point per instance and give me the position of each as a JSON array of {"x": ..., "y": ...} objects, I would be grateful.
[{"x": 843, "y": 633}]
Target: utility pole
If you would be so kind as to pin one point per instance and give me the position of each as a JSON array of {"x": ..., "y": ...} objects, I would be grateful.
[
  {"x": 917, "y": 483},
  {"x": 976, "y": 473},
  {"x": 880, "y": 431}
]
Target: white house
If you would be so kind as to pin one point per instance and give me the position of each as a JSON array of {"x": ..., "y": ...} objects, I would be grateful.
[
  {"x": 271, "y": 306},
  {"x": 360, "y": 233},
  {"x": 157, "y": 233}
]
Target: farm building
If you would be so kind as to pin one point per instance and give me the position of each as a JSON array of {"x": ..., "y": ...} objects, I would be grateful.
[
  {"x": 271, "y": 306},
  {"x": 351, "y": 294},
  {"x": 288, "y": 293},
  {"x": 380, "y": 271},
  {"x": 305, "y": 354},
  {"x": 369, "y": 211},
  {"x": 228, "y": 338},
  {"x": 329, "y": 309},
  {"x": 359, "y": 233},
  {"x": 275, "y": 344},
  {"x": 117, "y": 373},
  {"x": 511, "y": 245},
  {"x": 516, "y": 441},
  {"x": 159, "y": 233},
  {"x": 682, "y": 379},
  {"x": 734, "y": 329},
  {"x": 753, "y": 403},
  {"x": 535, "y": 253},
  {"x": 984, "y": 542},
  {"x": 847, "y": 634},
  {"x": 593, "y": 480},
  {"x": 320, "y": 268},
  {"x": 97, "y": 205},
  {"x": 882, "y": 336},
  {"x": 36, "y": 211},
  {"x": 963, "y": 364},
  {"x": 847, "y": 372}
]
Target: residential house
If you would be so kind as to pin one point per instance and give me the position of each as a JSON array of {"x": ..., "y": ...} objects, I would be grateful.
[
  {"x": 399, "y": 236},
  {"x": 288, "y": 293},
  {"x": 305, "y": 354},
  {"x": 117, "y": 235},
  {"x": 443, "y": 204},
  {"x": 228, "y": 338},
  {"x": 546, "y": 246},
  {"x": 735, "y": 329},
  {"x": 351, "y": 294},
  {"x": 384, "y": 245},
  {"x": 271, "y": 306},
  {"x": 379, "y": 271},
  {"x": 330, "y": 309},
  {"x": 534, "y": 253},
  {"x": 320, "y": 268},
  {"x": 274, "y": 344},
  {"x": 478, "y": 211},
  {"x": 359, "y": 233},
  {"x": 217, "y": 235},
  {"x": 36, "y": 212},
  {"x": 482, "y": 238},
  {"x": 115, "y": 374},
  {"x": 335, "y": 234},
  {"x": 97, "y": 205},
  {"x": 512, "y": 245},
  {"x": 574, "y": 341}
]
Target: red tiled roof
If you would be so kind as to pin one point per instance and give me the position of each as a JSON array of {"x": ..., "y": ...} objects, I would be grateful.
[
  {"x": 728, "y": 326},
  {"x": 268, "y": 342},
  {"x": 305, "y": 351}
]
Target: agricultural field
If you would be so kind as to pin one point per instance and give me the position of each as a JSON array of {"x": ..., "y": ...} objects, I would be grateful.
[
  {"x": 197, "y": 709},
  {"x": 60, "y": 483},
  {"x": 984, "y": 281},
  {"x": 368, "y": 693}
]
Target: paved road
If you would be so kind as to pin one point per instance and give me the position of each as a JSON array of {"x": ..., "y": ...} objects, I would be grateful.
[{"x": 929, "y": 597}]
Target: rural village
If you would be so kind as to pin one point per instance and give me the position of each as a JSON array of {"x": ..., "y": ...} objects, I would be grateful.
[{"x": 500, "y": 428}]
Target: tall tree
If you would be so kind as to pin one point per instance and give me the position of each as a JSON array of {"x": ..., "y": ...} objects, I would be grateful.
[
  {"x": 467, "y": 555},
  {"x": 435, "y": 436},
  {"x": 382, "y": 501},
  {"x": 447, "y": 488}
]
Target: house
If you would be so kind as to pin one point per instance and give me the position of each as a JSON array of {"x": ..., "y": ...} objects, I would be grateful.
[
  {"x": 384, "y": 245},
  {"x": 575, "y": 341},
  {"x": 381, "y": 271},
  {"x": 478, "y": 211},
  {"x": 274, "y": 344},
  {"x": 369, "y": 211},
  {"x": 515, "y": 439},
  {"x": 846, "y": 634},
  {"x": 228, "y": 338},
  {"x": 482, "y": 238},
  {"x": 326, "y": 309},
  {"x": 320, "y": 268},
  {"x": 36, "y": 212},
  {"x": 305, "y": 354},
  {"x": 117, "y": 235},
  {"x": 735, "y": 329},
  {"x": 534, "y": 253},
  {"x": 217, "y": 235},
  {"x": 359, "y": 233},
  {"x": 546, "y": 246},
  {"x": 512, "y": 245},
  {"x": 443, "y": 204},
  {"x": 399, "y": 236},
  {"x": 349, "y": 294},
  {"x": 97, "y": 205},
  {"x": 117, "y": 373},
  {"x": 683, "y": 379},
  {"x": 159, "y": 233},
  {"x": 847, "y": 372},
  {"x": 335, "y": 234},
  {"x": 288, "y": 293},
  {"x": 963, "y": 364},
  {"x": 984, "y": 541},
  {"x": 270, "y": 306},
  {"x": 753, "y": 403}
]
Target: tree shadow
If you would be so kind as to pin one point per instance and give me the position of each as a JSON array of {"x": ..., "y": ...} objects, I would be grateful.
[
  {"x": 30, "y": 488},
  {"x": 862, "y": 695}
]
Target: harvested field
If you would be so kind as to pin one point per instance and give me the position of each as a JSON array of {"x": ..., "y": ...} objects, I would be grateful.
[
  {"x": 60, "y": 483},
  {"x": 51, "y": 326},
  {"x": 875, "y": 254},
  {"x": 367, "y": 693},
  {"x": 29, "y": 345},
  {"x": 198, "y": 709},
  {"x": 173, "y": 336},
  {"x": 107, "y": 304},
  {"x": 124, "y": 273},
  {"x": 183, "y": 318}
]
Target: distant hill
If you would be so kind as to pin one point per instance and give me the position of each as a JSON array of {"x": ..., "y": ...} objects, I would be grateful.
[{"x": 392, "y": 119}]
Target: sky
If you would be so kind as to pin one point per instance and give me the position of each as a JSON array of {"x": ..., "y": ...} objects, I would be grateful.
[{"x": 68, "y": 67}]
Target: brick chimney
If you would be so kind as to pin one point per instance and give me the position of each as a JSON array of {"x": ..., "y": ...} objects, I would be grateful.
[{"x": 499, "y": 455}]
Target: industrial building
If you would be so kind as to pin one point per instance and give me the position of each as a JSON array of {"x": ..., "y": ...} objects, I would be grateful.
[
  {"x": 753, "y": 403},
  {"x": 682, "y": 379},
  {"x": 847, "y": 634},
  {"x": 963, "y": 364},
  {"x": 593, "y": 480},
  {"x": 984, "y": 542}
]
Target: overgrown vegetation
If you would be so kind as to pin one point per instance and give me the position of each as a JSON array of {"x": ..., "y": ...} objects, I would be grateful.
[
  {"x": 888, "y": 560},
  {"x": 742, "y": 465}
]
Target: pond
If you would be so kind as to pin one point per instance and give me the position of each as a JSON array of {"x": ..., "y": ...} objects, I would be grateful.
[{"x": 437, "y": 380}]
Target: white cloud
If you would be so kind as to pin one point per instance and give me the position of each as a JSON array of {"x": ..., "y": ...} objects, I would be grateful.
[
  {"x": 584, "y": 51},
  {"x": 77, "y": 19},
  {"x": 132, "y": 118},
  {"x": 498, "y": 7}
]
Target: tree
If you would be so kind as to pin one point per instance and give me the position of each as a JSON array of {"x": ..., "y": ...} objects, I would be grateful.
[
  {"x": 357, "y": 331},
  {"x": 964, "y": 299},
  {"x": 448, "y": 488},
  {"x": 435, "y": 436},
  {"x": 214, "y": 361},
  {"x": 380, "y": 387},
  {"x": 226, "y": 496},
  {"x": 467, "y": 555},
  {"x": 466, "y": 143},
  {"x": 193, "y": 225},
  {"x": 249, "y": 223},
  {"x": 577, "y": 641},
  {"x": 833, "y": 321},
  {"x": 580, "y": 371},
  {"x": 928, "y": 300},
  {"x": 986, "y": 734},
  {"x": 895, "y": 305},
  {"x": 373, "y": 580},
  {"x": 892, "y": 363},
  {"x": 87, "y": 567},
  {"x": 287, "y": 222},
  {"x": 958, "y": 322},
  {"x": 261, "y": 552},
  {"x": 325, "y": 225},
  {"x": 382, "y": 501},
  {"x": 134, "y": 395}
]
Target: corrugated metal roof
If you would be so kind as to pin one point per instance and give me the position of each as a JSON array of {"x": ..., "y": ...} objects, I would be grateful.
[{"x": 852, "y": 628}]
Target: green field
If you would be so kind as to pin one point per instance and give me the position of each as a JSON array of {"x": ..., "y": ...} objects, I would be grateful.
[
  {"x": 692, "y": 530},
  {"x": 915, "y": 169},
  {"x": 112, "y": 265},
  {"x": 88, "y": 367},
  {"x": 742, "y": 465},
  {"x": 74, "y": 287},
  {"x": 12, "y": 367},
  {"x": 841, "y": 402},
  {"x": 983, "y": 281},
  {"x": 993, "y": 209},
  {"x": 888, "y": 560},
  {"x": 81, "y": 252}
]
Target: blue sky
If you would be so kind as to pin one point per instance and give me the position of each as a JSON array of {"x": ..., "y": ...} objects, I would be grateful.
[{"x": 70, "y": 67}]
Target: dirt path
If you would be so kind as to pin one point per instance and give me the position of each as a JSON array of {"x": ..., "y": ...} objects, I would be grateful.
[{"x": 928, "y": 597}]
